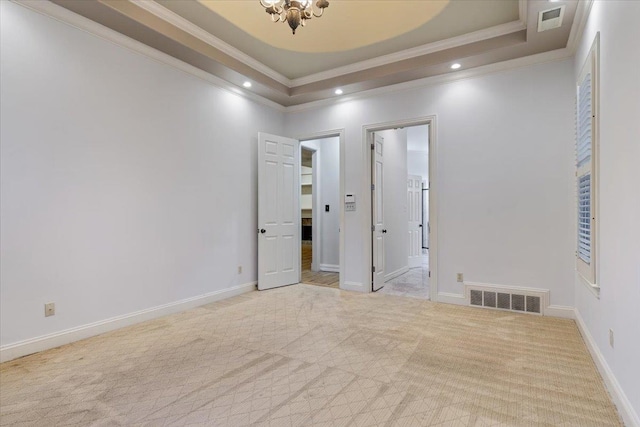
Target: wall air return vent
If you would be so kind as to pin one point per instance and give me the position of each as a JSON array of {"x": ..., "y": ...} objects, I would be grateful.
[
  {"x": 550, "y": 18},
  {"x": 523, "y": 300}
]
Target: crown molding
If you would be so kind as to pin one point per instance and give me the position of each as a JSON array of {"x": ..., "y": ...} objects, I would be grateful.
[
  {"x": 523, "y": 10},
  {"x": 201, "y": 34},
  {"x": 579, "y": 22},
  {"x": 197, "y": 32},
  {"x": 476, "y": 36},
  {"x": 68, "y": 17},
  {"x": 498, "y": 67}
]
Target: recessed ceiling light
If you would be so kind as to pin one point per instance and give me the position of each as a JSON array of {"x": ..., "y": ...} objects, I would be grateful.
[
  {"x": 554, "y": 1},
  {"x": 455, "y": 66},
  {"x": 338, "y": 92},
  {"x": 246, "y": 84}
]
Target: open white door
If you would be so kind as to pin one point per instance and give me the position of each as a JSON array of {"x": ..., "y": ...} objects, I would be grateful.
[
  {"x": 378, "y": 232},
  {"x": 278, "y": 211},
  {"x": 414, "y": 207}
]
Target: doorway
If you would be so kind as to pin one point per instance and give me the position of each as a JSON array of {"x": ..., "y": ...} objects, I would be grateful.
[
  {"x": 401, "y": 226},
  {"x": 320, "y": 212}
]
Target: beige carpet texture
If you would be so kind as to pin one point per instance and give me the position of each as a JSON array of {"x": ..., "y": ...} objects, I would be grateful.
[{"x": 316, "y": 356}]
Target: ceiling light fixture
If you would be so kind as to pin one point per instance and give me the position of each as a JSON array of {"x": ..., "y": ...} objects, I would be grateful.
[
  {"x": 338, "y": 92},
  {"x": 246, "y": 84},
  {"x": 294, "y": 12},
  {"x": 455, "y": 66}
]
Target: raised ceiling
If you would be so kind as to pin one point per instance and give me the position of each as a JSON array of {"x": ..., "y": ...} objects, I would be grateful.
[{"x": 356, "y": 45}]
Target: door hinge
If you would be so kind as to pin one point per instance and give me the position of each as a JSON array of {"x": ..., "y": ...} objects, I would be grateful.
[
  {"x": 373, "y": 269},
  {"x": 429, "y": 274},
  {"x": 373, "y": 187},
  {"x": 373, "y": 228},
  {"x": 373, "y": 146}
]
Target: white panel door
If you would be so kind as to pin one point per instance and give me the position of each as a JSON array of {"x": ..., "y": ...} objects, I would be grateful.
[
  {"x": 278, "y": 211},
  {"x": 378, "y": 232},
  {"x": 414, "y": 208}
]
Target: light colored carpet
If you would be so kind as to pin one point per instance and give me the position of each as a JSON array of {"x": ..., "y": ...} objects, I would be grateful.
[{"x": 307, "y": 355}]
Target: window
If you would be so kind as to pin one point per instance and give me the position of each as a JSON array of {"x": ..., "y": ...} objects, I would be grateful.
[{"x": 586, "y": 171}]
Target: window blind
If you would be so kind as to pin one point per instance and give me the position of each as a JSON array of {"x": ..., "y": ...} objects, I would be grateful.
[
  {"x": 584, "y": 218},
  {"x": 585, "y": 114}
]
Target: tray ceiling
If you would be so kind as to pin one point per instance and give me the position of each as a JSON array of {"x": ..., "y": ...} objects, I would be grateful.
[{"x": 356, "y": 45}]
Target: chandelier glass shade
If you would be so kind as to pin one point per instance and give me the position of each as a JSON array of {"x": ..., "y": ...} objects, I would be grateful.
[{"x": 294, "y": 12}]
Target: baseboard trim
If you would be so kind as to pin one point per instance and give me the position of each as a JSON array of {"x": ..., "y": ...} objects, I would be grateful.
[
  {"x": 562, "y": 311},
  {"x": 394, "y": 274},
  {"x": 353, "y": 286},
  {"x": 449, "y": 298},
  {"x": 333, "y": 268},
  {"x": 628, "y": 414},
  {"x": 46, "y": 342}
]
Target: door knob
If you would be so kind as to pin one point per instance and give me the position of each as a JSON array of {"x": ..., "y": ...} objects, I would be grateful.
[
  {"x": 262, "y": 231},
  {"x": 420, "y": 225},
  {"x": 384, "y": 231}
]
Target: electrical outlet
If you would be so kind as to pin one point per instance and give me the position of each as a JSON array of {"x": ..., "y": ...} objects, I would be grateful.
[
  {"x": 460, "y": 277},
  {"x": 239, "y": 269},
  {"x": 611, "y": 337},
  {"x": 49, "y": 309}
]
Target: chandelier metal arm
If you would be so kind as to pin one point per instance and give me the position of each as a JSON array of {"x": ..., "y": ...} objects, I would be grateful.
[{"x": 294, "y": 12}]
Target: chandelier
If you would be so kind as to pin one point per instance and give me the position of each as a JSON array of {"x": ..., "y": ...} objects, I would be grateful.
[{"x": 294, "y": 12}]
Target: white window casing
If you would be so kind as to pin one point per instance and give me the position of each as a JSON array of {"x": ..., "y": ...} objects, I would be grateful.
[{"x": 586, "y": 165}]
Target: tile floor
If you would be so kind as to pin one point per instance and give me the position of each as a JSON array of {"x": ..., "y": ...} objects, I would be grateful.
[
  {"x": 315, "y": 356},
  {"x": 414, "y": 283}
]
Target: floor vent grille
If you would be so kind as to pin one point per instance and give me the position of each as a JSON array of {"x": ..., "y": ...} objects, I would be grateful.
[{"x": 506, "y": 299}]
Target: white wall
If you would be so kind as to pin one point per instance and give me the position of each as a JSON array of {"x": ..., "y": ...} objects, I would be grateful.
[
  {"x": 119, "y": 180},
  {"x": 619, "y": 201},
  {"x": 396, "y": 243},
  {"x": 330, "y": 187},
  {"x": 505, "y": 185}
]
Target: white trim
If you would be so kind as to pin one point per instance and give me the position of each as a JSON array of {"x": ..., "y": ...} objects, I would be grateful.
[
  {"x": 523, "y": 11},
  {"x": 594, "y": 289},
  {"x": 353, "y": 286},
  {"x": 432, "y": 184},
  {"x": 496, "y": 67},
  {"x": 394, "y": 274},
  {"x": 562, "y": 311},
  {"x": 68, "y": 17},
  {"x": 449, "y": 298},
  {"x": 620, "y": 399},
  {"x": 56, "y": 339},
  {"x": 203, "y": 35},
  {"x": 579, "y": 22},
  {"x": 330, "y": 267},
  {"x": 476, "y": 36},
  {"x": 365, "y": 214}
]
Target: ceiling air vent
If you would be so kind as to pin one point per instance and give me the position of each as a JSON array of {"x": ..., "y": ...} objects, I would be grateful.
[{"x": 550, "y": 18}]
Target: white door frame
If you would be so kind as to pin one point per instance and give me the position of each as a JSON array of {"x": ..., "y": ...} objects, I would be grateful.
[
  {"x": 367, "y": 138},
  {"x": 414, "y": 205},
  {"x": 339, "y": 133}
]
